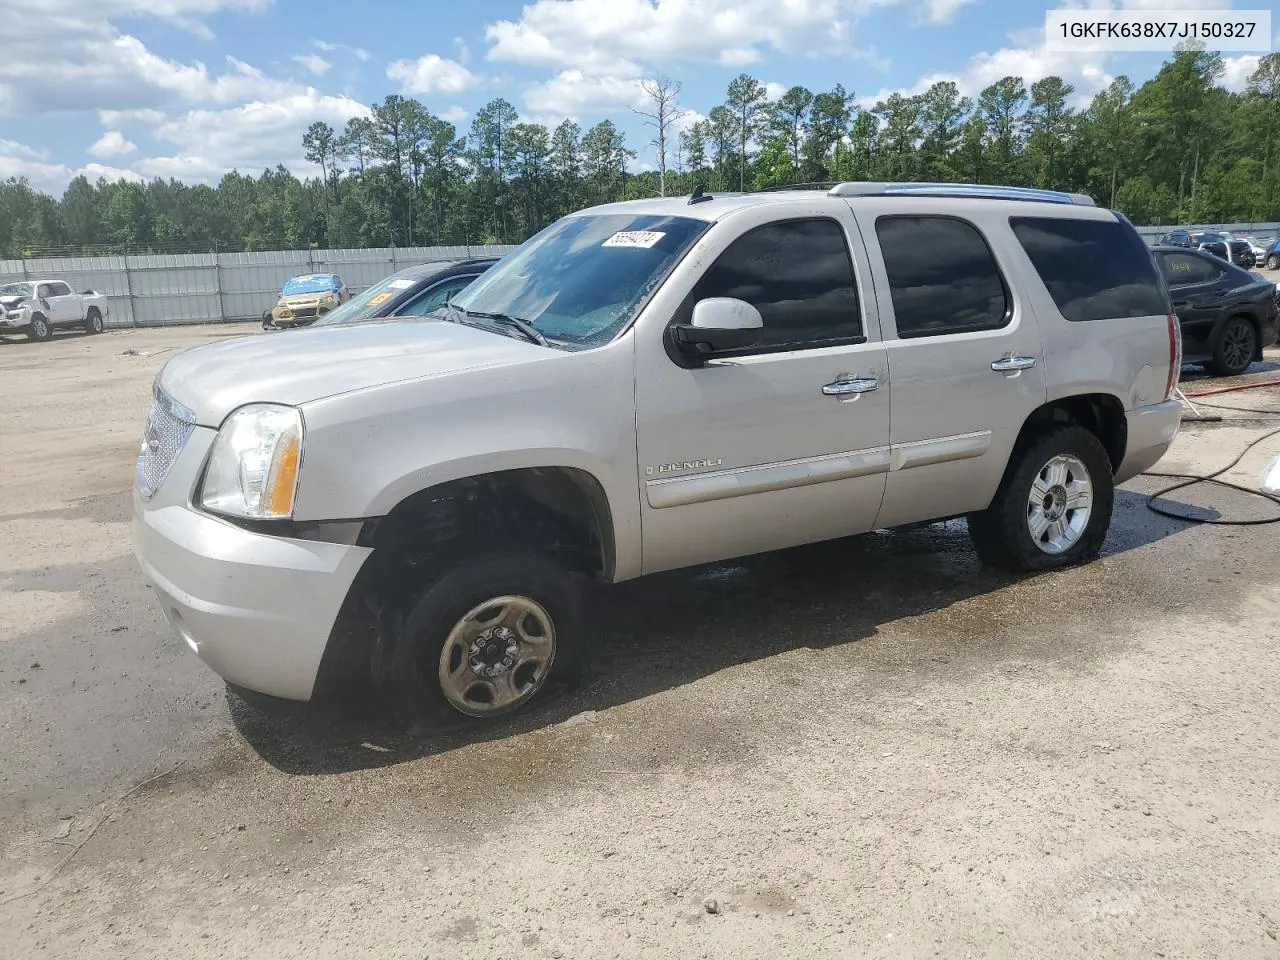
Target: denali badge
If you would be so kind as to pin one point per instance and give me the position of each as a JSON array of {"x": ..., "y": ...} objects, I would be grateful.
[{"x": 703, "y": 464}]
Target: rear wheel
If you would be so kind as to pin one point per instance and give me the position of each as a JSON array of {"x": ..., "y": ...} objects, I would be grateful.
[
  {"x": 93, "y": 321},
  {"x": 1053, "y": 507},
  {"x": 483, "y": 641},
  {"x": 1235, "y": 348},
  {"x": 39, "y": 329}
]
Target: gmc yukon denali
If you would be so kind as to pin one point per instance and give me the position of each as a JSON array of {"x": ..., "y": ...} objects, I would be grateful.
[{"x": 644, "y": 386}]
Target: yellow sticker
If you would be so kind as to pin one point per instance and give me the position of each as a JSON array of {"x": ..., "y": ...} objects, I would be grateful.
[{"x": 380, "y": 298}]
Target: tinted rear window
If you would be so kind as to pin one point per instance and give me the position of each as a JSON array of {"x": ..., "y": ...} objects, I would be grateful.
[{"x": 1093, "y": 269}]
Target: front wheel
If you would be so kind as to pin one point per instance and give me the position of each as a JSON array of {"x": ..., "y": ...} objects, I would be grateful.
[
  {"x": 1053, "y": 507},
  {"x": 482, "y": 641},
  {"x": 1234, "y": 348},
  {"x": 39, "y": 328},
  {"x": 1273, "y": 261}
]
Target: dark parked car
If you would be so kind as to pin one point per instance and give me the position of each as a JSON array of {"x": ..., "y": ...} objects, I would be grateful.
[
  {"x": 413, "y": 291},
  {"x": 1227, "y": 314},
  {"x": 1271, "y": 259}
]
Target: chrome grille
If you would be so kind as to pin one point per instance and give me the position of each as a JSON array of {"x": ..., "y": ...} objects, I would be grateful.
[{"x": 169, "y": 426}]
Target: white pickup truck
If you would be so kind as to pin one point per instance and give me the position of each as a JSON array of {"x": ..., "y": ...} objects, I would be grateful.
[{"x": 38, "y": 307}]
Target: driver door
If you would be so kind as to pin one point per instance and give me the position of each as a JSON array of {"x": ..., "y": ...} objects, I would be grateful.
[{"x": 783, "y": 442}]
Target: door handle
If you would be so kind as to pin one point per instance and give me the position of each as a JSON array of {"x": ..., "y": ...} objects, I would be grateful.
[
  {"x": 1013, "y": 364},
  {"x": 850, "y": 388}
]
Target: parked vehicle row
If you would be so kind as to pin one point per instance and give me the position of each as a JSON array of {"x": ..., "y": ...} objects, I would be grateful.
[
  {"x": 1224, "y": 246},
  {"x": 39, "y": 307},
  {"x": 640, "y": 387}
]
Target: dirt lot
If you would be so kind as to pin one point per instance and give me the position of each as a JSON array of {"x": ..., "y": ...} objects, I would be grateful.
[{"x": 871, "y": 748}]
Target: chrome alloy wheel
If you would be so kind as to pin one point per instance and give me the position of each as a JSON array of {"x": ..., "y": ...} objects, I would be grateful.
[
  {"x": 497, "y": 656},
  {"x": 1060, "y": 504}
]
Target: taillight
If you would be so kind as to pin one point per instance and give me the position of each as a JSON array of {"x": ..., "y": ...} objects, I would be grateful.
[{"x": 1175, "y": 355}]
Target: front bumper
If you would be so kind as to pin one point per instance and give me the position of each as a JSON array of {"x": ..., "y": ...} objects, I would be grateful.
[
  {"x": 1151, "y": 432},
  {"x": 258, "y": 609}
]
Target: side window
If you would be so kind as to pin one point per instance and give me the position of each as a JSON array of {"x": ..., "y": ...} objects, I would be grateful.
[
  {"x": 44, "y": 291},
  {"x": 435, "y": 297},
  {"x": 1182, "y": 270},
  {"x": 1093, "y": 269},
  {"x": 942, "y": 276},
  {"x": 799, "y": 275},
  {"x": 60, "y": 289}
]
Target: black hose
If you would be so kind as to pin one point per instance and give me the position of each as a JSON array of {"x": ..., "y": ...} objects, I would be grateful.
[{"x": 1191, "y": 480}]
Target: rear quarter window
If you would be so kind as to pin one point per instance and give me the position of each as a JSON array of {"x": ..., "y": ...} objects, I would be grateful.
[{"x": 1093, "y": 269}]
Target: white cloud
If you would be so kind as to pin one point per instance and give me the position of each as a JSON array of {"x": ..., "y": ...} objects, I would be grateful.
[
  {"x": 431, "y": 74},
  {"x": 572, "y": 92},
  {"x": 90, "y": 65},
  {"x": 250, "y": 137},
  {"x": 20, "y": 160},
  {"x": 942, "y": 11},
  {"x": 454, "y": 114},
  {"x": 1237, "y": 70},
  {"x": 774, "y": 90},
  {"x": 358, "y": 52},
  {"x": 118, "y": 118},
  {"x": 315, "y": 64},
  {"x": 112, "y": 144},
  {"x": 585, "y": 34}
]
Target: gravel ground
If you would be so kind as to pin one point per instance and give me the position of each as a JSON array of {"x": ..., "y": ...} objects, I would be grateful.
[{"x": 870, "y": 748}]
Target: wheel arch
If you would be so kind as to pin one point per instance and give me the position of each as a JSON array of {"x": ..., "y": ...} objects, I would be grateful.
[{"x": 1103, "y": 414}]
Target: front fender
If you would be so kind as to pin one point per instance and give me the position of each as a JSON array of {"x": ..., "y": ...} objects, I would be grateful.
[{"x": 367, "y": 451}]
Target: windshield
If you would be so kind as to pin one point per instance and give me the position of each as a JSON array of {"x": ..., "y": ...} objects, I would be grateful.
[
  {"x": 315, "y": 284},
  {"x": 580, "y": 280},
  {"x": 15, "y": 290},
  {"x": 365, "y": 304}
]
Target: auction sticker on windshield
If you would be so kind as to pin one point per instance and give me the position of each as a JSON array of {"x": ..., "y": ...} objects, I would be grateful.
[
  {"x": 634, "y": 238},
  {"x": 400, "y": 284}
]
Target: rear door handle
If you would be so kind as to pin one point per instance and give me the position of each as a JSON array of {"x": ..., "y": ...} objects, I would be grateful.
[
  {"x": 850, "y": 388},
  {"x": 1013, "y": 364}
]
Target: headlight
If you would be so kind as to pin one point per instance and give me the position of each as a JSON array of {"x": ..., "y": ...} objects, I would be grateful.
[{"x": 253, "y": 469}]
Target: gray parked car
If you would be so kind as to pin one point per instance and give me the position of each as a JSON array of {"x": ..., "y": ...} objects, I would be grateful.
[{"x": 644, "y": 386}]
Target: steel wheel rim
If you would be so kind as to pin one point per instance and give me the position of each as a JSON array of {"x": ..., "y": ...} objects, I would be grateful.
[
  {"x": 1060, "y": 504},
  {"x": 497, "y": 656},
  {"x": 1237, "y": 345}
]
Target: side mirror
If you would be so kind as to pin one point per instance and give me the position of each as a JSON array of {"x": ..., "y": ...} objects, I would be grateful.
[
  {"x": 1271, "y": 478},
  {"x": 719, "y": 323}
]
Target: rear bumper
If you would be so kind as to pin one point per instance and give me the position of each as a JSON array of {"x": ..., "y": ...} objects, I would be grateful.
[{"x": 1151, "y": 432}]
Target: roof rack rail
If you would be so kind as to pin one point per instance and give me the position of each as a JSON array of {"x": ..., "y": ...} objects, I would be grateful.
[
  {"x": 815, "y": 185},
  {"x": 976, "y": 190}
]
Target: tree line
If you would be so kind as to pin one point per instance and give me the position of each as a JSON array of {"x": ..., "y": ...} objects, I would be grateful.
[{"x": 1177, "y": 149}]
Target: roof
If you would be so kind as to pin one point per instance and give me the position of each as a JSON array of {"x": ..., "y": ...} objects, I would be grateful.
[
  {"x": 958, "y": 196},
  {"x": 433, "y": 267}
]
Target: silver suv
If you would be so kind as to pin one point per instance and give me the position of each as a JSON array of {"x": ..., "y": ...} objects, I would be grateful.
[{"x": 644, "y": 386}]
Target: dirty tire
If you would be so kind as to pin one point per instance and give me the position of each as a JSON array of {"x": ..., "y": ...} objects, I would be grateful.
[
  {"x": 1235, "y": 347},
  {"x": 407, "y": 669},
  {"x": 1001, "y": 535},
  {"x": 93, "y": 321},
  {"x": 40, "y": 328}
]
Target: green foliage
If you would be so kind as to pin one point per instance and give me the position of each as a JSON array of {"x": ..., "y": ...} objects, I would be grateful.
[{"x": 1178, "y": 149}]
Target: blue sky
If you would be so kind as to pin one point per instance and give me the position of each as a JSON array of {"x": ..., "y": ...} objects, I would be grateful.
[{"x": 193, "y": 88}]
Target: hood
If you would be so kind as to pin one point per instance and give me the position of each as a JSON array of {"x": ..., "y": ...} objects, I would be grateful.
[
  {"x": 313, "y": 363},
  {"x": 11, "y": 302},
  {"x": 300, "y": 299}
]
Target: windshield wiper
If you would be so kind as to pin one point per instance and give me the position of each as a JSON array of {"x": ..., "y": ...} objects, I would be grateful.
[{"x": 528, "y": 330}]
